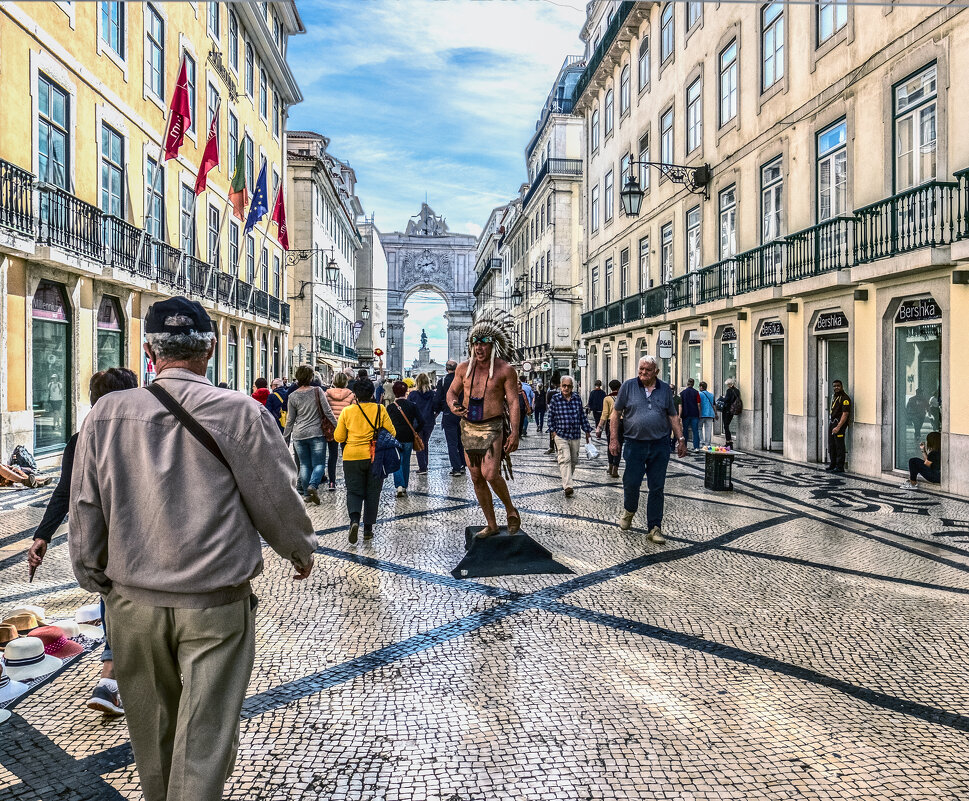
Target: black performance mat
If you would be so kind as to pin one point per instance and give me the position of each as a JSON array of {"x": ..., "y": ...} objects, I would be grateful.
[{"x": 504, "y": 555}]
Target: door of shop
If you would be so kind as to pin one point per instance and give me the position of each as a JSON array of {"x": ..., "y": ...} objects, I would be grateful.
[
  {"x": 832, "y": 366},
  {"x": 773, "y": 418}
]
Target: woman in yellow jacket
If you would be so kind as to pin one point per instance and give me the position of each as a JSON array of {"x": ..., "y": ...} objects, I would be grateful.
[{"x": 357, "y": 427}]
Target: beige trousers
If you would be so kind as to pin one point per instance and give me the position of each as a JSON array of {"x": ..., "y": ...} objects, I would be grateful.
[
  {"x": 568, "y": 458},
  {"x": 182, "y": 675}
]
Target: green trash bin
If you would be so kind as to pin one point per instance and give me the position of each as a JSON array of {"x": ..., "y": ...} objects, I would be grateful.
[{"x": 718, "y": 471}]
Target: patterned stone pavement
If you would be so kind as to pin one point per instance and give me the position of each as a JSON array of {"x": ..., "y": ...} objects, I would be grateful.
[{"x": 804, "y": 636}]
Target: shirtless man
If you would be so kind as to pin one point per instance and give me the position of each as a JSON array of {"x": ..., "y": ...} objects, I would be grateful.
[{"x": 490, "y": 387}]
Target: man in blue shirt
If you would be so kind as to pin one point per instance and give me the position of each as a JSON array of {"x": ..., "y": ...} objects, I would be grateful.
[
  {"x": 690, "y": 412},
  {"x": 648, "y": 415},
  {"x": 566, "y": 419},
  {"x": 530, "y": 394},
  {"x": 708, "y": 413}
]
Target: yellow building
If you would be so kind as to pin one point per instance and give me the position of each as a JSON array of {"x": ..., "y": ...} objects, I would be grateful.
[
  {"x": 824, "y": 242},
  {"x": 85, "y": 89}
]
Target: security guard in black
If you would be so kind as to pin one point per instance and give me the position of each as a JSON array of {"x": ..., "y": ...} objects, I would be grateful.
[{"x": 840, "y": 418}]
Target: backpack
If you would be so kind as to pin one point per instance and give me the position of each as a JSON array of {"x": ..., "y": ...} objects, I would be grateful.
[
  {"x": 21, "y": 457},
  {"x": 720, "y": 403},
  {"x": 283, "y": 414},
  {"x": 384, "y": 448},
  {"x": 737, "y": 406}
]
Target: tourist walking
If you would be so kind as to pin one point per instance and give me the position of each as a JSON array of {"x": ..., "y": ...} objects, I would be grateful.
[
  {"x": 708, "y": 413},
  {"x": 839, "y": 420},
  {"x": 541, "y": 404},
  {"x": 567, "y": 420},
  {"x": 450, "y": 422},
  {"x": 276, "y": 402},
  {"x": 357, "y": 428},
  {"x": 928, "y": 465},
  {"x": 340, "y": 396},
  {"x": 690, "y": 413},
  {"x": 173, "y": 487},
  {"x": 732, "y": 407},
  {"x": 529, "y": 393},
  {"x": 648, "y": 416},
  {"x": 525, "y": 408},
  {"x": 407, "y": 423},
  {"x": 596, "y": 399},
  {"x": 423, "y": 397},
  {"x": 260, "y": 391},
  {"x": 308, "y": 412},
  {"x": 608, "y": 410},
  {"x": 551, "y": 392}
]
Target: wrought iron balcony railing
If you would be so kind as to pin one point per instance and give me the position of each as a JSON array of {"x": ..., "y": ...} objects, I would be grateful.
[{"x": 16, "y": 198}]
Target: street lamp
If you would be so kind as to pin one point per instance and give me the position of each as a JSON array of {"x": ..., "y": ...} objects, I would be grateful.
[
  {"x": 516, "y": 297},
  {"x": 365, "y": 311},
  {"x": 332, "y": 270},
  {"x": 293, "y": 257},
  {"x": 695, "y": 179},
  {"x": 383, "y": 332}
]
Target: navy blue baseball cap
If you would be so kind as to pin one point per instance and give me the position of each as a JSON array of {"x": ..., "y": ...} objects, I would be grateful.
[{"x": 162, "y": 317}]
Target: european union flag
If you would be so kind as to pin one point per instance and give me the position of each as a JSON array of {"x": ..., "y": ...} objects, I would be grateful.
[{"x": 260, "y": 201}]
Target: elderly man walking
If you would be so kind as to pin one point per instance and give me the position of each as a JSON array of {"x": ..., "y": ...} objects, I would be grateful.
[
  {"x": 648, "y": 415},
  {"x": 566, "y": 420},
  {"x": 172, "y": 487}
]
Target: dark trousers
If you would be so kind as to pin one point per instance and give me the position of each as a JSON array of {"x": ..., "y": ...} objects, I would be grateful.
[
  {"x": 363, "y": 490},
  {"x": 836, "y": 448},
  {"x": 425, "y": 433},
  {"x": 597, "y": 416},
  {"x": 333, "y": 451},
  {"x": 540, "y": 420},
  {"x": 452, "y": 434},
  {"x": 614, "y": 461},
  {"x": 646, "y": 458},
  {"x": 692, "y": 424},
  {"x": 916, "y": 468},
  {"x": 727, "y": 419}
]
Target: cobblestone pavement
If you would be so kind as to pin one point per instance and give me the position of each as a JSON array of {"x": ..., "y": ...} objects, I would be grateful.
[{"x": 804, "y": 636}]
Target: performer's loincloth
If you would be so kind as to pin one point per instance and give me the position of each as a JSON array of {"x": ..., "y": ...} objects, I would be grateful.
[{"x": 479, "y": 438}]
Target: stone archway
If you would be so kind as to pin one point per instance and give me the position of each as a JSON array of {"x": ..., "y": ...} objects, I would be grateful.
[{"x": 427, "y": 256}]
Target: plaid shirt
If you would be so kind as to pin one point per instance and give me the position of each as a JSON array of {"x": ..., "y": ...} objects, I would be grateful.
[{"x": 567, "y": 417}]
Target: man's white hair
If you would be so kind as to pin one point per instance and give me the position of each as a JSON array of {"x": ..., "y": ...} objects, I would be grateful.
[
  {"x": 180, "y": 347},
  {"x": 730, "y": 382},
  {"x": 649, "y": 360}
]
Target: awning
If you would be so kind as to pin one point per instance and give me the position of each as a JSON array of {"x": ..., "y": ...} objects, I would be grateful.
[{"x": 328, "y": 363}]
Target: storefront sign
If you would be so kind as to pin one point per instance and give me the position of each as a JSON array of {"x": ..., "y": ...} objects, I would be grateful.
[
  {"x": 48, "y": 303},
  {"x": 830, "y": 321},
  {"x": 771, "y": 329},
  {"x": 729, "y": 334},
  {"x": 527, "y": 367},
  {"x": 623, "y": 345},
  {"x": 664, "y": 344},
  {"x": 914, "y": 311},
  {"x": 696, "y": 337}
]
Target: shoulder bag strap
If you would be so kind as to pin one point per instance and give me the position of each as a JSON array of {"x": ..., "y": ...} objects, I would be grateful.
[
  {"x": 368, "y": 419},
  {"x": 194, "y": 427},
  {"x": 319, "y": 406},
  {"x": 404, "y": 415}
]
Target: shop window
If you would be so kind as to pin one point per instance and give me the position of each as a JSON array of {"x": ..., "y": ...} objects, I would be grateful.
[
  {"x": 212, "y": 368},
  {"x": 918, "y": 381},
  {"x": 110, "y": 334},
  {"x": 277, "y": 372},
  {"x": 264, "y": 357},
  {"x": 51, "y": 367},
  {"x": 250, "y": 362},
  {"x": 728, "y": 358}
]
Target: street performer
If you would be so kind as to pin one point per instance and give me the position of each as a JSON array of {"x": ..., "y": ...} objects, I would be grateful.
[{"x": 491, "y": 417}]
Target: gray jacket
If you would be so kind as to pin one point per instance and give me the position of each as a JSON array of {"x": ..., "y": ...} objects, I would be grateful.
[
  {"x": 303, "y": 415},
  {"x": 157, "y": 518}
]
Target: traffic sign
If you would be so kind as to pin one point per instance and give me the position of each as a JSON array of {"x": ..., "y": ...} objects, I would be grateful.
[
  {"x": 664, "y": 344},
  {"x": 527, "y": 367}
]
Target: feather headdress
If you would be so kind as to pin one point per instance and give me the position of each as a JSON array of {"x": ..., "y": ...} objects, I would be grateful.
[{"x": 499, "y": 326}]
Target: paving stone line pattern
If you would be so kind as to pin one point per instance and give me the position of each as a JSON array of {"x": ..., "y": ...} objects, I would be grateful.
[{"x": 802, "y": 637}]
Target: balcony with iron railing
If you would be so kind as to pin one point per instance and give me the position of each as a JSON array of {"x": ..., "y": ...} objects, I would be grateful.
[
  {"x": 326, "y": 345},
  {"x": 567, "y": 168},
  {"x": 16, "y": 198},
  {"x": 923, "y": 216},
  {"x": 608, "y": 37}
]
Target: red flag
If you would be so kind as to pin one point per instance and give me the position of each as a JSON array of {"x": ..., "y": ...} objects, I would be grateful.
[
  {"x": 181, "y": 117},
  {"x": 210, "y": 158},
  {"x": 279, "y": 217}
]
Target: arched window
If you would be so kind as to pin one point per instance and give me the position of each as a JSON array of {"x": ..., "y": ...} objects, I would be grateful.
[
  {"x": 110, "y": 334},
  {"x": 624, "y": 91},
  {"x": 51, "y": 367}
]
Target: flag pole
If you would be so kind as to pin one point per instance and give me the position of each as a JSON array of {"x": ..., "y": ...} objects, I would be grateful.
[
  {"x": 215, "y": 118},
  {"x": 218, "y": 246}
]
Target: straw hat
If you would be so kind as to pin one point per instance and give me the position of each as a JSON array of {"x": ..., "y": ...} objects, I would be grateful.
[
  {"x": 70, "y": 627},
  {"x": 23, "y": 622},
  {"x": 8, "y": 632},
  {"x": 56, "y": 642},
  {"x": 37, "y": 611},
  {"x": 89, "y": 621},
  {"x": 24, "y": 658},
  {"x": 9, "y": 689}
]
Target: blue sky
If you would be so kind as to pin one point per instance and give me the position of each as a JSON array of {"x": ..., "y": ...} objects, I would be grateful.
[{"x": 430, "y": 96}]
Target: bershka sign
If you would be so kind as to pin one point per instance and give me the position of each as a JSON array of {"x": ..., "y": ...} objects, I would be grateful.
[
  {"x": 729, "y": 334},
  {"x": 771, "y": 329},
  {"x": 914, "y": 311},
  {"x": 664, "y": 344},
  {"x": 830, "y": 321}
]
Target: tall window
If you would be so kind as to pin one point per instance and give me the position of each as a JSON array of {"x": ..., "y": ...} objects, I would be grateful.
[
  {"x": 190, "y": 82},
  {"x": 250, "y": 70},
  {"x": 277, "y": 276},
  {"x": 915, "y": 130},
  {"x": 728, "y": 83},
  {"x": 53, "y": 152},
  {"x": 250, "y": 260},
  {"x": 594, "y": 208},
  {"x": 231, "y": 358},
  {"x": 155, "y": 55},
  {"x": 213, "y": 219},
  {"x": 113, "y": 26},
  {"x": 233, "y": 247},
  {"x": 213, "y": 16},
  {"x": 624, "y": 170},
  {"x": 110, "y": 351},
  {"x": 771, "y": 200},
  {"x": 250, "y": 164},
  {"x": 666, "y": 137},
  {"x": 609, "y": 110},
  {"x": 263, "y": 94},
  {"x": 694, "y": 116},
  {"x": 644, "y": 156},
  {"x": 624, "y": 90},
  {"x": 155, "y": 203},
  {"x": 728, "y": 222},
  {"x": 595, "y": 130},
  {"x": 233, "y": 143},
  {"x": 644, "y": 63},
  {"x": 187, "y": 219},
  {"x": 264, "y": 269},
  {"x": 211, "y": 100},
  {"x": 112, "y": 171},
  {"x": 772, "y": 43},
  {"x": 52, "y": 366},
  {"x": 644, "y": 264},
  {"x": 623, "y": 272},
  {"x": 693, "y": 240},
  {"x": 609, "y": 284},
  {"x": 233, "y": 41},
  {"x": 608, "y": 196},
  {"x": 694, "y": 10},
  {"x": 833, "y": 171},
  {"x": 264, "y": 357},
  {"x": 277, "y": 114},
  {"x": 666, "y": 253},
  {"x": 666, "y": 33},
  {"x": 832, "y": 17}
]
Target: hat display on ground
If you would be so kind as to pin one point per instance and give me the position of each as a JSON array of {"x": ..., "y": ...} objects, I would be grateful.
[
  {"x": 24, "y": 658},
  {"x": 70, "y": 627},
  {"x": 4, "y": 716},
  {"x": 37, "y": 611},
  {"x": 9, "y": 689},
  {"x": 8, "y": 632},
  {"x": 23, "y": 622},
  {"x": 56, "y": 642},
  {"x": 88, "y": 618}
]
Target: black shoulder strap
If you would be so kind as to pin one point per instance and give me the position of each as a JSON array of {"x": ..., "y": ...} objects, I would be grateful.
[{"x": 194, "y": 427}]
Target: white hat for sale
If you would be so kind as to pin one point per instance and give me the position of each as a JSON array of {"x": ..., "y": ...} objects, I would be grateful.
[
  {"x": 9, "y": 689},
  {"x": 25, "y": 658},
  {"x": 89, "y": 621},
  {"x": 71, "y": 628}
]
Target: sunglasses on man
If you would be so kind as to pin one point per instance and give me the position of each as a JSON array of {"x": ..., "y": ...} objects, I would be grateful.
[{"x": 482, "y": 340}]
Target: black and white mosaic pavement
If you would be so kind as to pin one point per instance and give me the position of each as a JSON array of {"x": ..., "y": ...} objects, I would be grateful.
[{"x": 802, "y": 637}]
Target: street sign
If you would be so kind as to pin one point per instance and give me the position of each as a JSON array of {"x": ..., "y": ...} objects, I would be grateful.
[
  {"x": 582, "y": 361},
  {"x": 664, "y": 344},
  {"x": 527, "y": 367},
  {"x": 545, "y": 365}
]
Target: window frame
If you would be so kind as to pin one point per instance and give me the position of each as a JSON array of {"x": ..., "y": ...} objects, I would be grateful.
[
  {"x": 693, "y": 229},
  {"x": 726, "y": 71},
  {"x": 914, "y": 111},
  {"x": 155, "y": 44},
  {"x": 727, "y": 211},
  {"x": 667, "y": 137},
  {"x": 213, "y": 21},
  {"x": 667, "y": 33},
  {"x": 778, "y": 50},
  {"x": 625, "y": 91},
  {"x": 775, "y": 188},
  {"x": 644, "y": 278},
  {"x": 594, "y": 208},
  {"x": 191, "y": 80},
  {"x": 694, "y": 116},
  {"x": 250, "y": 73},
  {"x": 116, "y": 25},
  {"x": 233, "y": 34},
  {"x": 608, "y": 196},
  {"x": 609, "y": 113},
  {"x": 820, "y": 8},
  {"x": 118, "y": 168},
  {"x": 830, "y": 154},
  {"x": 62, "y": 129},
  {"x": 667, "y": 266},
  {"x": 643, "y": 67},
  {"x": 595, "y": 133}
]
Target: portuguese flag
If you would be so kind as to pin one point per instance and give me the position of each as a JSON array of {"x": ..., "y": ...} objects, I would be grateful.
[{"x": 238, "y": 194}]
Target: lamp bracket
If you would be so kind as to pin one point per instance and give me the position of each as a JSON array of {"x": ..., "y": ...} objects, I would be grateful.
[{"x": 695, "y": 179}]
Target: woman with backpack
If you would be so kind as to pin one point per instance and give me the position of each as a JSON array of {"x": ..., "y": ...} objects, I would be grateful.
[
  {"x": 339, "y": 396},
  {"x": 358, "y": 427},
  {"x": 423, "y": 396},
  {"x": 309, "y": 420},
  {"x": 732, "y": 406},
  {"x": 407, "y": 422}
]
